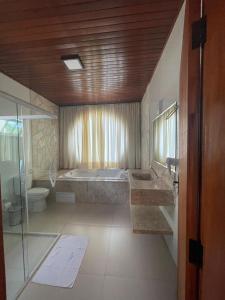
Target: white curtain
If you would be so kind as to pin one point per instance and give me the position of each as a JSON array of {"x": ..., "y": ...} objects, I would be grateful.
[
  {"x": 100, "y": 136},
  {"x": 27, "y": 146},
  {"x": 164, "y": 132},
  {"x": 9, "y": 164},
  {"x": 8, "y": 147}
]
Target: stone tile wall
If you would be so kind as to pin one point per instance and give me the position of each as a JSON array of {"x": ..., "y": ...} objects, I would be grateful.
[
  {"x": 45, "y": 146},
  {"x": 107, "y": 192}
]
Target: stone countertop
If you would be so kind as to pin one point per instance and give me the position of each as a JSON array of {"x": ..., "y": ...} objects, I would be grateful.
[
  {"x": 145, "y": 198},
  {"x": 157, "y": 183},
  {"x": 149, "y": 220},
  {"x": 155, "y": 191}
]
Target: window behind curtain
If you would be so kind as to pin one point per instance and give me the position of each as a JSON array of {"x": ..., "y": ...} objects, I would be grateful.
[
  {"x": 100, "y": 139},
  {"x": 164, "y": 132},
  {"x": 100, "y": 136}
]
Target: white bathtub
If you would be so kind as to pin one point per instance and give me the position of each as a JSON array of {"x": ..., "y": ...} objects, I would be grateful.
[{"x": 94, "y": 175}]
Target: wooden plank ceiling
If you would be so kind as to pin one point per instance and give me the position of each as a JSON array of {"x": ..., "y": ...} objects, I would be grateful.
[{"x": 119, "y": 42}]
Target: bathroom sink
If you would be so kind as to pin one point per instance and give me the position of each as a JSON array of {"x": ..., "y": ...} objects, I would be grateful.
[
  {"x": 146, "y": 188},
  {"x": 142, "y": 176}
]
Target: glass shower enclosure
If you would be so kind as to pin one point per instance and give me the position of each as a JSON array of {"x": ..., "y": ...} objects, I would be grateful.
[{"x": 20, "y": 244}]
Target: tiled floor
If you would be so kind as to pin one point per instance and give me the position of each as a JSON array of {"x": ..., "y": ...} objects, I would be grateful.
[
  {"x": 18, "y": 263},
  {"x": 118, "y": 265}
]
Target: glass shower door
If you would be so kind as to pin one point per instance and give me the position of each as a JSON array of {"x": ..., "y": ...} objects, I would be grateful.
[
  {"x": 25, "y": 240},
  {"x": 37, "y": 239},
  {"x": 12, "y": 195}
]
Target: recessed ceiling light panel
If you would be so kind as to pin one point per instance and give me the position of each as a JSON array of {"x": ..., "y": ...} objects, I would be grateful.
[{"x": 73, "y": 62}]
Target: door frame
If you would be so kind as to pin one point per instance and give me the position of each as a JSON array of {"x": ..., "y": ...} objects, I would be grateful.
[
  {"x": 190, "y": 155},
  {"x": 2, "y": 258}
]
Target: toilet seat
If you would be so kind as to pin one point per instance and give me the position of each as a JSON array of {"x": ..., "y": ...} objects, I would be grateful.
[{"x": 37, "y": 192}]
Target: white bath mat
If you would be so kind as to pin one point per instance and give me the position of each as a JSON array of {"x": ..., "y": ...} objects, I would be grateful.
[{"x": 61, "y": 266}]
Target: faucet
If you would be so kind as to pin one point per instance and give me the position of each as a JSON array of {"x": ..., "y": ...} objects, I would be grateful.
[{"x": 171, "y": 161}]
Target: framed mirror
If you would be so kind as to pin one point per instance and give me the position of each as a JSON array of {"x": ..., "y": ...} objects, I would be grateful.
[{"x": 165, "y": 135}]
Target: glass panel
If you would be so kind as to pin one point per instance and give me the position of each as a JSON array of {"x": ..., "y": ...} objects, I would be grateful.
[
  {"x": 25, "y": 133},
  {"x": 23, "y": 181},
  {"x": 12, "y": 189},
  {"x": 36, "y": 128}
]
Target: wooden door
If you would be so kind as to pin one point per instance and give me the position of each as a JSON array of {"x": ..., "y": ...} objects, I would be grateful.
[
  {"x": 212, "y": 284},
  {"x": 202, "y": 155},
  {"x": 189, "y": 158}
]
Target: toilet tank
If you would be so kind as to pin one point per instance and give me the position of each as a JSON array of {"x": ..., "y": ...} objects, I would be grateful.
[{"x": 22, "y": 183}]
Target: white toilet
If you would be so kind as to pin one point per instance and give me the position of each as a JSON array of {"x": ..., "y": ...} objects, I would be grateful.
[
  {"x": 36, "y": 196},
  {"x": 37, "y": 199}
]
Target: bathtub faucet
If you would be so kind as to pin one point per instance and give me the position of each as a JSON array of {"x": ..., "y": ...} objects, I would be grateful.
[{"x": 52, "y": 173}]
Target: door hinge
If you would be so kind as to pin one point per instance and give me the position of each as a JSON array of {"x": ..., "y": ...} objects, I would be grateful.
[
  {"x": 199, "y": 29},
  {"x": 195, "y": 252}
]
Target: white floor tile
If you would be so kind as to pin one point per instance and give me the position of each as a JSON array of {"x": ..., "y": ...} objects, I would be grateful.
[
  {"x": 139, "y": 256},
  {"x": 86, "y": 288},
  {"x": 18, "y": 262},
  {"x": 117, "y": 288},
  {"x": 93, "y": 214},
  {"x": 118, "y": 265},
  {"x": 121, "y": 217}
]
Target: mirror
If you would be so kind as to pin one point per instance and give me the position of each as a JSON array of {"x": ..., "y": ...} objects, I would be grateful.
[{"x": 165, "y": 135}]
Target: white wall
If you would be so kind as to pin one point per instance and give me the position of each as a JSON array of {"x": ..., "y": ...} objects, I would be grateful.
[
  {"x": 14, "y": 88},
  {"x": 163, "y": 90}
]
